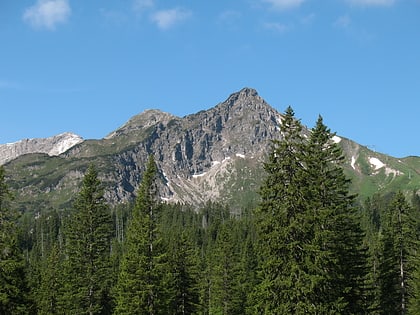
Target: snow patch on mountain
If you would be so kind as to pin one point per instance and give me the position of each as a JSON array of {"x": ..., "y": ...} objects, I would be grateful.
[
  {"x": 353, "y": 162},
  {"x": 389, "y": 171},
  {"x": 199, "y": 175},
  {"x": 336, "y": 139},
  {"x": 376, "y": 163},
  {"x": 67, "y": 141}
]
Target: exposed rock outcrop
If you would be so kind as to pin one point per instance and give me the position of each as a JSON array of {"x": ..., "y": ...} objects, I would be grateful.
[{"x": 52, "y": 146}]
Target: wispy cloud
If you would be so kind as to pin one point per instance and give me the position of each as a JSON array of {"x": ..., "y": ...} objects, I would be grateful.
[
  {"x": 165, "y": 19},
  {"x": 284, "y": 4},
  {"x": 372, "y": 3},
  {"x": 277, "y": 27},
  {"x": 46, "y": 14}
]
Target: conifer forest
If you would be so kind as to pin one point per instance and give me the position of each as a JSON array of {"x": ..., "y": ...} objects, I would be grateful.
[{"x": 307, "y": 246}]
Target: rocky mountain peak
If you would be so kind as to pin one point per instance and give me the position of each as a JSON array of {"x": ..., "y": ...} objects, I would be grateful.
[
  {"x": 144, "y": 120},
  {"x": 52, "y": 146},
  {"x": 241, "y": 96},
  {"x": 215, "y": 154}
]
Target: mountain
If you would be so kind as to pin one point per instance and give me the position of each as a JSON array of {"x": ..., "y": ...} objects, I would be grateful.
[
  {"x": 215, "y": 154},
  {"x": 52, "y": 146}
]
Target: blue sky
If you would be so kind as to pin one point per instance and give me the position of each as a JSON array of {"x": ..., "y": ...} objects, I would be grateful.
[{"x": 88, "y": 66}]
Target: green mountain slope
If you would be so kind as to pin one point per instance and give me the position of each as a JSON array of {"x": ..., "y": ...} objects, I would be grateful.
[{"x": 216, "y": 154}]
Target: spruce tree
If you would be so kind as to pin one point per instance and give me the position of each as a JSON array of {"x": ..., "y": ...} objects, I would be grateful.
[
  {"x": 51, "y": 284},
  {"x": 225, "y": 286},
  {"x": 414, "y": 280},
  {"x": 338, "y": 260},
  {"x": 13, "y": 291},
  {"x": 282, "y": 230},
  {"x": 398, "y": 258},
  {"x": 184, "y": 269},
  {"x": 413, "y": 304},
  {"x": 141, "y": 282},
  {"x": 312, "y": 260},
  {"x": 45, "y": 263},
  {"x": 88, "y": 242}
]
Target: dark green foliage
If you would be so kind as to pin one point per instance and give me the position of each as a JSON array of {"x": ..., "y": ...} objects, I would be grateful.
[
  {"x": 50, "y": 291},
  {"x": 414, "y": 279},
  {"x": 312, "y": 259},
  {"x": 12, "y": 273},
  {"x": 141, "y": 284},
  {"x": 340, "y": 261},
  {"x": 180, "y": 227},
  {"x": 184, "y": 264},
  {"x": 43, "y": 244},
  {"x": 399, "y": 257},
  {"x": 225, "y": 285},
  {"x": 88, "y": 242},
  {"x": 281, "y": 226},
  {"x": 302, "y": 251}
]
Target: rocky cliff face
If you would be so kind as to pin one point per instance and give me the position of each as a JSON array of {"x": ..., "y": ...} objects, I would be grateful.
[
  {"x": 196, "y": 154},
  {"x": 52, "y": 146},
  {"x": 216, "y": 154}
]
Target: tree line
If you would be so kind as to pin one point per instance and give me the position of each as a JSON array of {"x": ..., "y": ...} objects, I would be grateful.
[{"x": 308, "y": 247}]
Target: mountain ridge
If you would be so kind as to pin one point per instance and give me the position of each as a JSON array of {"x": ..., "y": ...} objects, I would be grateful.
[
  {"x": 54, "y": 145},
  {"x": 214, "y": 154}
]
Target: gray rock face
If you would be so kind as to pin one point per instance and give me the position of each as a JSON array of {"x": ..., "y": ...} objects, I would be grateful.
[
  {"x": 216, "y": 154},
  {"x": 52, "y": 146},
  {"x": 196, "y": 154}
]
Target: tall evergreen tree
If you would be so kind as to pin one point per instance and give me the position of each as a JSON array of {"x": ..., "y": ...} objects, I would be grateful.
[
  {"x": 225, "y": 286},
  {"x": 45, "y": 260},
  {"x": 88, "y": 241},
  {"x": 414, "y": 280},
  {"x": 338, "y": 258},
  {"x": 13, "y": 291},
  {"x": 141, "y": 288},
  {"x": 399, "y": 246},
  {"x": 51, "y": 284},
  {"x": 310, "y": 239},
  {"x": 184, "y": 270},
  {"x": 281, "y": 224}
]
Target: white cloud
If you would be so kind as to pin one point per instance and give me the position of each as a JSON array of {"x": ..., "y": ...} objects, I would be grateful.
[
  {"x": 165, "y": 19},
  {"x": 284, "y": 4},
  {"x": 46, "y": 14},
  {"x": 369, "y": 3}
]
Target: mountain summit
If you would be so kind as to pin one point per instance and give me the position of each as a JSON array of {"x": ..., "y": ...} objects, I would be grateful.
[{"x": 215, "y": 154}]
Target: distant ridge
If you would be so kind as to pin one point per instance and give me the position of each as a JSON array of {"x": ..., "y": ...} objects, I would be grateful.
[{"x": 52, "y": 146}]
